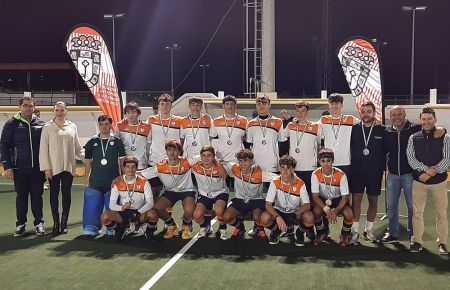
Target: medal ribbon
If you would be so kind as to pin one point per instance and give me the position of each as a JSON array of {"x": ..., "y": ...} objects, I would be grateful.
[
  {"x": 263, "y": 130},
  {"x": 194, "y": 133},
  {"x": 366, "y": 140}
]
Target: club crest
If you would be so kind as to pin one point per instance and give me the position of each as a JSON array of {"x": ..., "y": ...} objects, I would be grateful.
[
  {"x": 356, "y": 63},
  {"x": 86, "y": 57}
]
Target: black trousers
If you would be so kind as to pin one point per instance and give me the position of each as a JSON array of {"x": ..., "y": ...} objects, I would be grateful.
[
  {"x": 29, "y": 182},
  {"x": 61, "y": 182}
]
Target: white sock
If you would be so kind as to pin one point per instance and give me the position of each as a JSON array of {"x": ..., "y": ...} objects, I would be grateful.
[
  {"x": 355, "y": 227},
  {"x": 369, "y": 226}
]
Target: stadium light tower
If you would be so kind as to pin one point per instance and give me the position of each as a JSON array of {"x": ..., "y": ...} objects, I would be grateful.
[
  {"x": 413, "y": 9},
  {"x": 113, "y": 17},
  {"x": 204, "y": 66},
  {"x": 172, "y": 48}
]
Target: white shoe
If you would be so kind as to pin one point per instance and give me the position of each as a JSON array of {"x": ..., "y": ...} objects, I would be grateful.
[
  {"x": 253, "y": 231},
  {"x": 369, "y": 236},
  {"x": 355, "y": 239},
  {"x": 224, "y": 234},
  {"x": 40, "y": 230},
  {"x": 202, "y": 232}
]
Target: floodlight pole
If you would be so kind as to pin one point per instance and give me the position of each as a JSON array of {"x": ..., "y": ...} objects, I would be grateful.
[
  {"x": 204, "y": 66},
  {"x": 113, "y": 17},
  {"x": 172, "y": 47}
]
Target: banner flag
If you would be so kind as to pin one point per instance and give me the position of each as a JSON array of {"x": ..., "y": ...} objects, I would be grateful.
[
  {"x": 361, "y": 67},
  {"x": 89, "y": 53}
]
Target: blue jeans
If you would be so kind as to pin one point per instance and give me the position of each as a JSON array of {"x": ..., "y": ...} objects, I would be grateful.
[{"x": 395, "y": 184}]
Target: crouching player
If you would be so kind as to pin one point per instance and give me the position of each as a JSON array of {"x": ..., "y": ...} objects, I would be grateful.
[
  {"x": 175, "y": 175},
  {"x": 213, "y": 192},
  {"x": 131, "y": 201},
  {"x": 287, "y": 201},
  {"x": 248, "y": 185},
  {"x": 330, "y": 193}
]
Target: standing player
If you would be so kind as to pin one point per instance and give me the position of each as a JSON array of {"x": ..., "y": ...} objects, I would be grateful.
[
  {"x": 164, "y": 127},
  {"x": 196, "y": 129},
  {"x": 249, "y": 180},
  {"x": 368, "y": 164},
  {"x": 135, "y": 134},
  {"x": 175, "y": 175},
  {"x": 213, "y": 192},
  {"x": 287, "y": 201},
  {"x": 330, "y": 193},
  {"x": 131, "y": 201}
]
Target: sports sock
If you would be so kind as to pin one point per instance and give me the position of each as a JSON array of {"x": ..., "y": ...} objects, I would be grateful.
[
  {"x": 355, "y": 227},
  {"x": 203, "y": 223},
  {"x": 151, "y": 226},
  {"x": 320, "y": 228},
  {"x": 170, "y": 222},
  {"x": 346, "y": 227},
  {"x": 222, "y": 226},
  {"x": 369, "y": 226}
]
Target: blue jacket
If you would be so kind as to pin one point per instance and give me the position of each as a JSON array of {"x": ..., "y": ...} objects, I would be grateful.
[{"x": 19, "y": 143}]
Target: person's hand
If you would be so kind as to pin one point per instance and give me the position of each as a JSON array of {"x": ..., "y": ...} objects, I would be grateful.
[
  {"x": 9, "y": 174},
  {"x": 116, "y": 181},
  {"x": 439, "y": 132},
  {"x": 281, "y": 223},
  {"x": 331, "y": 215},
  {"x": 126, "y": 206},
  {"x": 424, "y": 177},
  {"x": 49, "y": 174},
  {"x": 431, "y": 171}
]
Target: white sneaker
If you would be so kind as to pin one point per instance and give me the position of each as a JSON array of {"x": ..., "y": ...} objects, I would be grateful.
[
  {"x": 224, "y": 234},
  {"x": 40, "y": 230},
  {"x": 202, "y": 232},
  {"x": 20, "y": 230},
  {"x": 369, "y": 236},
  {"x": 355, "y": 239},
  {"x": 253, "y": 231}
]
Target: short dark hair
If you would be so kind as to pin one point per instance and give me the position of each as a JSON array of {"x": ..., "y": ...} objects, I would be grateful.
[
  {"x": 365, "y": 104},
  {"x": 195, "y": 100},
  {"x": 336, "y": 98},
  {"x": 103, "y": 118},
  {"x": 130, "y": 159},
  {"x": 165, "y": 97},
  {"x": 262, "y": 99},
  {"x": 428, "y": 110},
  {"x": 132, "y": 106},
  {"x": 287, "y": 160},
  {"x": 244, "y": 154},
  {"x": 229, "y": 98},
  {"x": 326, "y": 153},
  {"x": 300, "y": 104},
  {"x": 208, "y": 148},
  {"x": 25, "y": 98},
  {"x": 174, "y": 144}
]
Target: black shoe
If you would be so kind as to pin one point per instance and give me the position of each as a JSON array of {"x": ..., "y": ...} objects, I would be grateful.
[
  {"x": 274, "y": 239},
  {"x": 64, "y": 219},
  {"x": 299, "y": 238},
  {"x": 150, "y": 234},
  {"x": 20, "y": 230},
  {"x": 415, "y": 247},
  {"x": 56, "y": 224},
  {"x": 310, "y": 235},
  {"x": 121, "y": 231},
  {"x": 442, "y": 249},
  {"x": 388, "y": 239}
]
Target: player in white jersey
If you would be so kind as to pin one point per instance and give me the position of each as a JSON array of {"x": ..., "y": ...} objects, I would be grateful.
[
  {"x": 336, "y": 132},
  {"x": 131, "y": 201},
  {"x": 196, "y": 130},
  {"x": 164, "y": 127},
  {"x": 330, "y": 192},
  {"x": 304, "y": 137},
  {"x": 287, "y": 202},
  {"x": 212, "y": 193},
  {"x": 175, "y": 174},
  {"x": 134, "y": 134},
  {"x": 248, "y": 186}
]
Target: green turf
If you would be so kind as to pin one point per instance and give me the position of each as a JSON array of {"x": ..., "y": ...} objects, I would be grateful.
[{"x": 74, "y": 262}]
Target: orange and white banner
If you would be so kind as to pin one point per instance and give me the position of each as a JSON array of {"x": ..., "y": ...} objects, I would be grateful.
[
  {"x": 90, "y": 55},
  {"x": 361, "y": 67}
]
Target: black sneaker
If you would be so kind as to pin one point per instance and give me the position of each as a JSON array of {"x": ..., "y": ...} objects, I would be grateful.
[
  {"x": 442, "y": 249},
  {"x": 388, "y": 239},
  {"x": 274, "y": 239},
  {"x": 121, "y": 232},
  {"x": 415, "y": 247},
  {"x": 310, "y": 235},
  {"x": 149, "y": 234},
  {"x": 299, "y": 238},
  {"x": 253, "y": 231},
  {"x": 20, "y": 230}
]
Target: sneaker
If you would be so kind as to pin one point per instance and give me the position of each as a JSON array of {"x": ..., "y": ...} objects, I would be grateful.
[
  {"x": 20, "y": 230},
  {"x": 170, "y": 231},
  {"x": 319, "y": 239},
  {"x": 370, "y": 237},
  {"x": 40, "y": 230},
  {"x": 223, "y": 234},
  {"x": 120, "y": 232},
  {"x": 186, "y": 232},
  {"x": 442, "y": 249},
  {"x": 344, "y": 240},
  {"x": 299, "y": 238},
  {"x": 310, "y": 235},
  {"x": 149, "y": 234},
  {"x": 415, "y": 247},
  {"x": 355, "y": 239},
  {"x": 253, "y": 231},
  {"x": 274, "y": 239},
  {"x": 139, "y": 229},
  {"x": 261, "y": 234},
  {"x": 238, "y": 233},
  {"x": 203, "y": 232},
  {"x": 388, "y": 239}
]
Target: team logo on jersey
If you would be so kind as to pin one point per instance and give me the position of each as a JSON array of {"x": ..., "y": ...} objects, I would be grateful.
[
  {"x": 294, "y": 188},
  {"x": 215, "y": 172},
  {"x": 204, "y": 123},
  {"x": 142, "y": 130},
  {"x": 272, "y": 123},
  {"x": 173, "y": 123},
  {"x": 238, "y": 122},
  {"x": 182, "y": 168},
  {"x": 309, "y": 128},
  {"x": 95, "y": 144},
  {"x": 138, "y": 187}
]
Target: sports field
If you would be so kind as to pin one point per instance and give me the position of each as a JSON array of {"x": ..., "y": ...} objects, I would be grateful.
[{"x": 74, "y": 262}]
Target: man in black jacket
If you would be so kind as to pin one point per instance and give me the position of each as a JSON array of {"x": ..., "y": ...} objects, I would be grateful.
[
  {"x": 429, "y": 157},
  {"x": 20, "y": 158}
]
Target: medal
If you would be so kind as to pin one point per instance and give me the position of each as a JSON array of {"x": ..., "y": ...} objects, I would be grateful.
[
  {"x": 297, "y": 150},
  {"x": 328, "y": 202},
  {"x": 133, "y": 148},
  {"x": 131, "y": 201},
  {"x": 366, "y": 139},
  {"x": 329, "y": 187},
  {"x": 104, "y": 150},
  {"x": 134, "y": 135},
  {"x": 177, "y": 189},
  {"x": 298, "y": 136},
  {"x": 194, "y": 143},
  {"x": 209, "y": 195},
  {"x": 366, "y": 151},
  {"x": 336, "y": 130},
  {"x": 264, "y": 142},
  {"x": 229, "y": 132},
  {"x": 194, "y": 131},
  {"x": 104, "y": 161},
  {"x": 130, "y": 192},
  {"x": 229, "y": 142},
  {"x": 246, "y": 200},
  {"x": 264, "y": 129},
  {"x": 164, "y": 129}
]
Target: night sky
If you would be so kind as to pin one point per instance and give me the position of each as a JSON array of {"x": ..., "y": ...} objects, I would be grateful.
[{"x": 34, "y": 31}]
